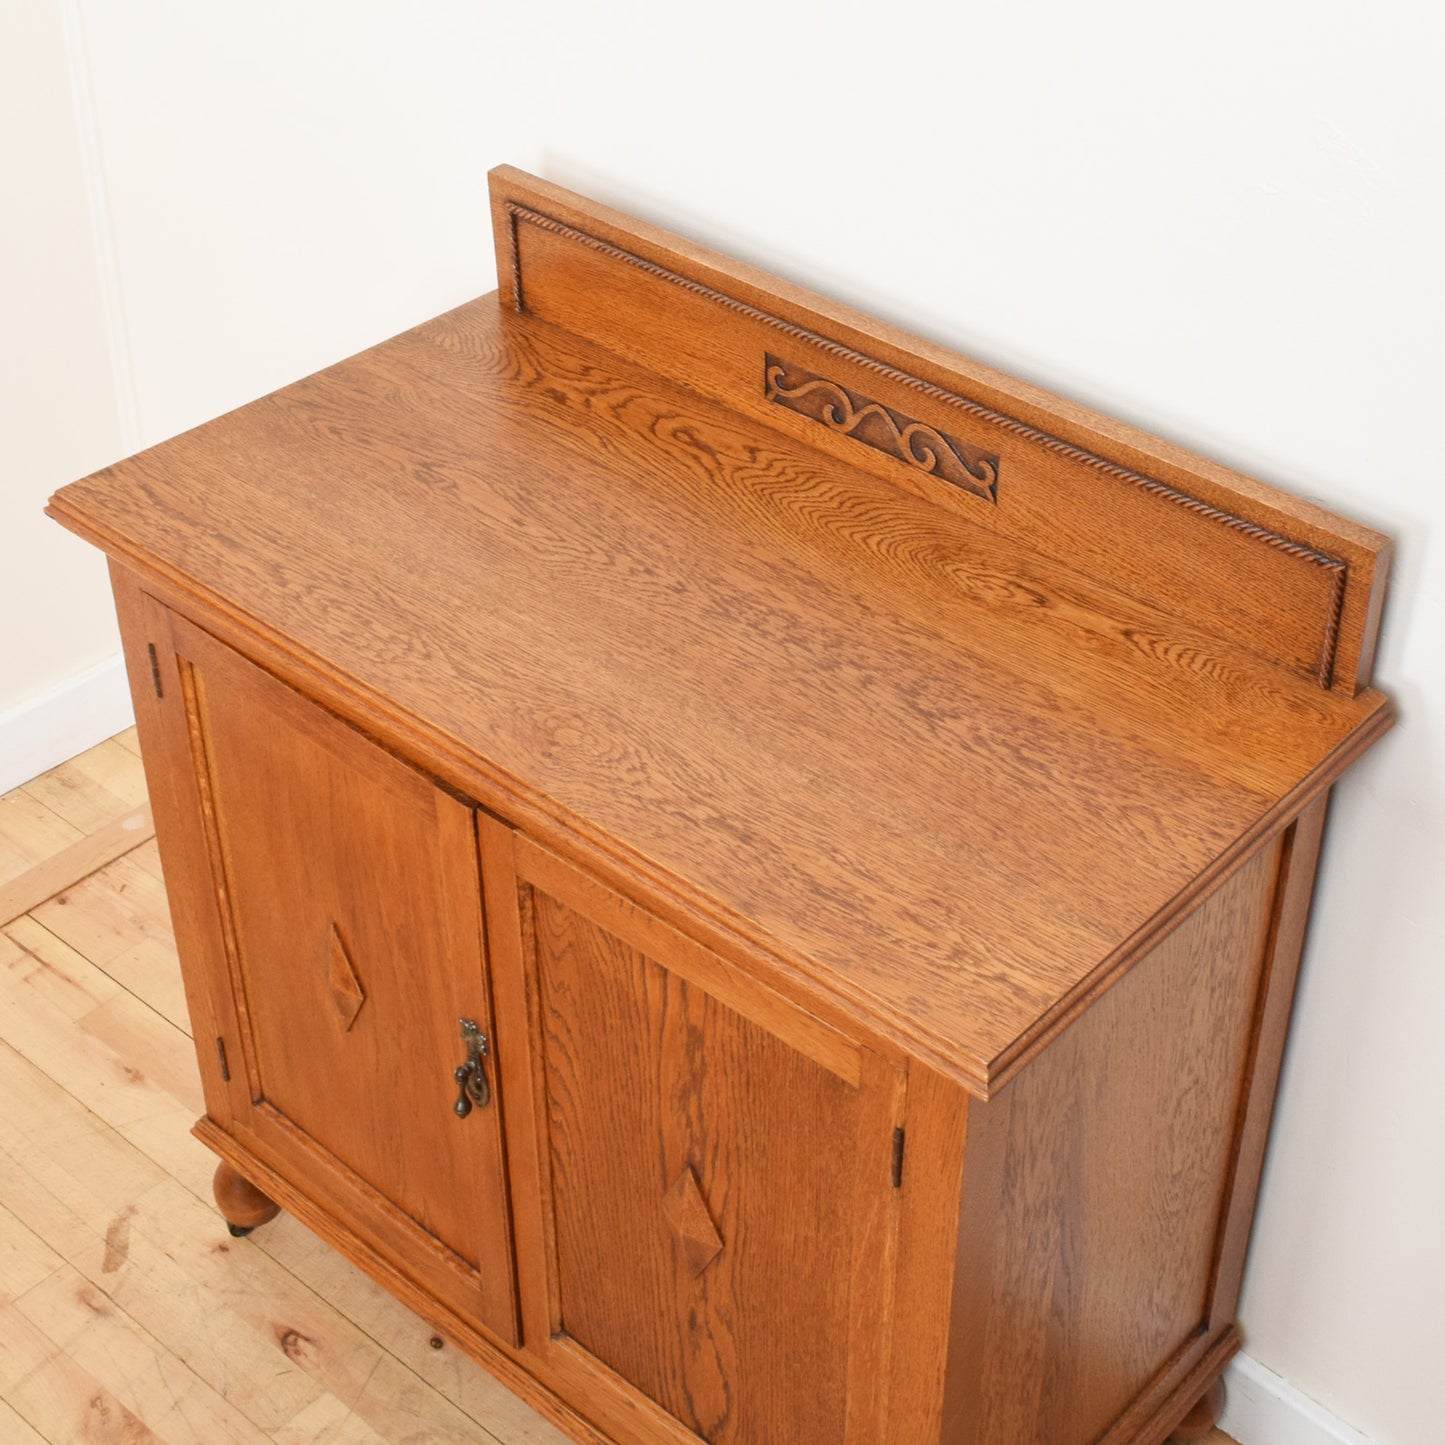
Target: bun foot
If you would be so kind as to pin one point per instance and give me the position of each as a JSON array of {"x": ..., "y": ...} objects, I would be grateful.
[
  {"x": 1197, "y": 1424},
  {"x": 242, "y": 1205}
]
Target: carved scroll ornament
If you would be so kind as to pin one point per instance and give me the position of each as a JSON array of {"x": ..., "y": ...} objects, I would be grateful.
[{"x": 922, "y": 447}]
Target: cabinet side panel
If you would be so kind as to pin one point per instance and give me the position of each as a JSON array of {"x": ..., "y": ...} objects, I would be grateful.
[
  {"x": 1095, "y": 1185},
  {"x": 1292, "y": 903},
  {"x": 190, "y": 888}
]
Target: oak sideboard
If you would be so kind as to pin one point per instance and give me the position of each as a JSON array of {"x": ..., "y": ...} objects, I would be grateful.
[{"x": 749, "y": 868}]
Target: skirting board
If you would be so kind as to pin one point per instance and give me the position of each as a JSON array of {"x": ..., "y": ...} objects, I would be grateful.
[
  {"x": 1264, "y": 1409},
  {"x": 84, "y": 710}
]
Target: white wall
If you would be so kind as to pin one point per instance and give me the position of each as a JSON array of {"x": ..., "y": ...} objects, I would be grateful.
[
  {"x": 59, "y": 416},
  {"x": 1223, "y": 222}
]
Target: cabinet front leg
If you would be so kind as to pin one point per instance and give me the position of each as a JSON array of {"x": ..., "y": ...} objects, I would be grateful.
[
  {"x": 1198, "y": 1423},
  {"x": 242, "y": 1205}
]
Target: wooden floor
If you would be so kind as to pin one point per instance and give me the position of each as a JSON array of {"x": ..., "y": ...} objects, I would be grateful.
[{"x": 127, "y": 1313}]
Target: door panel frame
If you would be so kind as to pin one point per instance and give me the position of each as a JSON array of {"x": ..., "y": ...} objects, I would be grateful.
[
  {"x": 171, "y": 723},
  {"x": 691, "y": 961},
  {"x": 512, "y": 866}
]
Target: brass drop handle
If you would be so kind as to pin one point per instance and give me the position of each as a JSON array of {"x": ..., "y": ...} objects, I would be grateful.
[{"x": 470, "y": 1076}]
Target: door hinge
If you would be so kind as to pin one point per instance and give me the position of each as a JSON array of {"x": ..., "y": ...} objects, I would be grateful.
[
  {"x": 898, "y": 1158},
  {"x": 155, "y": 669},
  {"x": 225, "y": 1067}
]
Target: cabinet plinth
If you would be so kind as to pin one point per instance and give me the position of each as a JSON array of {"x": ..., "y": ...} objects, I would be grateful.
[{"x": 749, "y": 869}]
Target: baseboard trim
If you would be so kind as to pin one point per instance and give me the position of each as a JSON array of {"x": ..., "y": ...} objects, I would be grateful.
[
  {"x": 1264, "y": 1409},
  {"x": 43, "y": 731}
]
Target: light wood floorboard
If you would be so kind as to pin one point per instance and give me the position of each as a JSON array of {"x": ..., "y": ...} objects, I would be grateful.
[
  {"x": 126, "y": 1310},
  {"x": 127, "y": 1313}
]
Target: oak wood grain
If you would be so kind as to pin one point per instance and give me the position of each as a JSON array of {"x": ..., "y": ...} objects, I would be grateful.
[
  {"x": 869, "y": 805},
  {"x": 196, "y": 913},
  {"x": 317, "y": 837},
  {"x": 1102, "y": 1178},
  {"x": 690, "y": 960},
  {"x": 1298, "y": 862},
  {"x": 714, "y": 1194},
  {"x": 1198, "y": 1425},
  {"x": 242, "y": 1205},
  {"x": 723, "y": 585},
  {"x": 1271, "y": 571},
  {"x": 161, "y": 1318},
  {"x": 930, "y": 1256}
]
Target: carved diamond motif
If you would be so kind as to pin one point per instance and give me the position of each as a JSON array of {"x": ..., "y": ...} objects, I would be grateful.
[
  {"x": 346, "y": 991},
  {"x": 687, "y": 1212}
]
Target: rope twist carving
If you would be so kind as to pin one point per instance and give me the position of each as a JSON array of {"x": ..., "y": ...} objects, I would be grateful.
[{"x": 1338, "y": 568}]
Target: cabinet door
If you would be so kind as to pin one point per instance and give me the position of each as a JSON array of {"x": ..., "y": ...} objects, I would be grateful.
[
  {"x": 707, "y": 1221},
  {"x": 347, "y": 897}
]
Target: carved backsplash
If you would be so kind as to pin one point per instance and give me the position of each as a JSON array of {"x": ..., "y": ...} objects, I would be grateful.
[{"x": 880, "y": 427}]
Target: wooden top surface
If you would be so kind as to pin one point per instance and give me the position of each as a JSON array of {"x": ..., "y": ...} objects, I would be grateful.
[
  {"x": 1263, "y": 568},
  {"x": 933, "y": 774}
]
